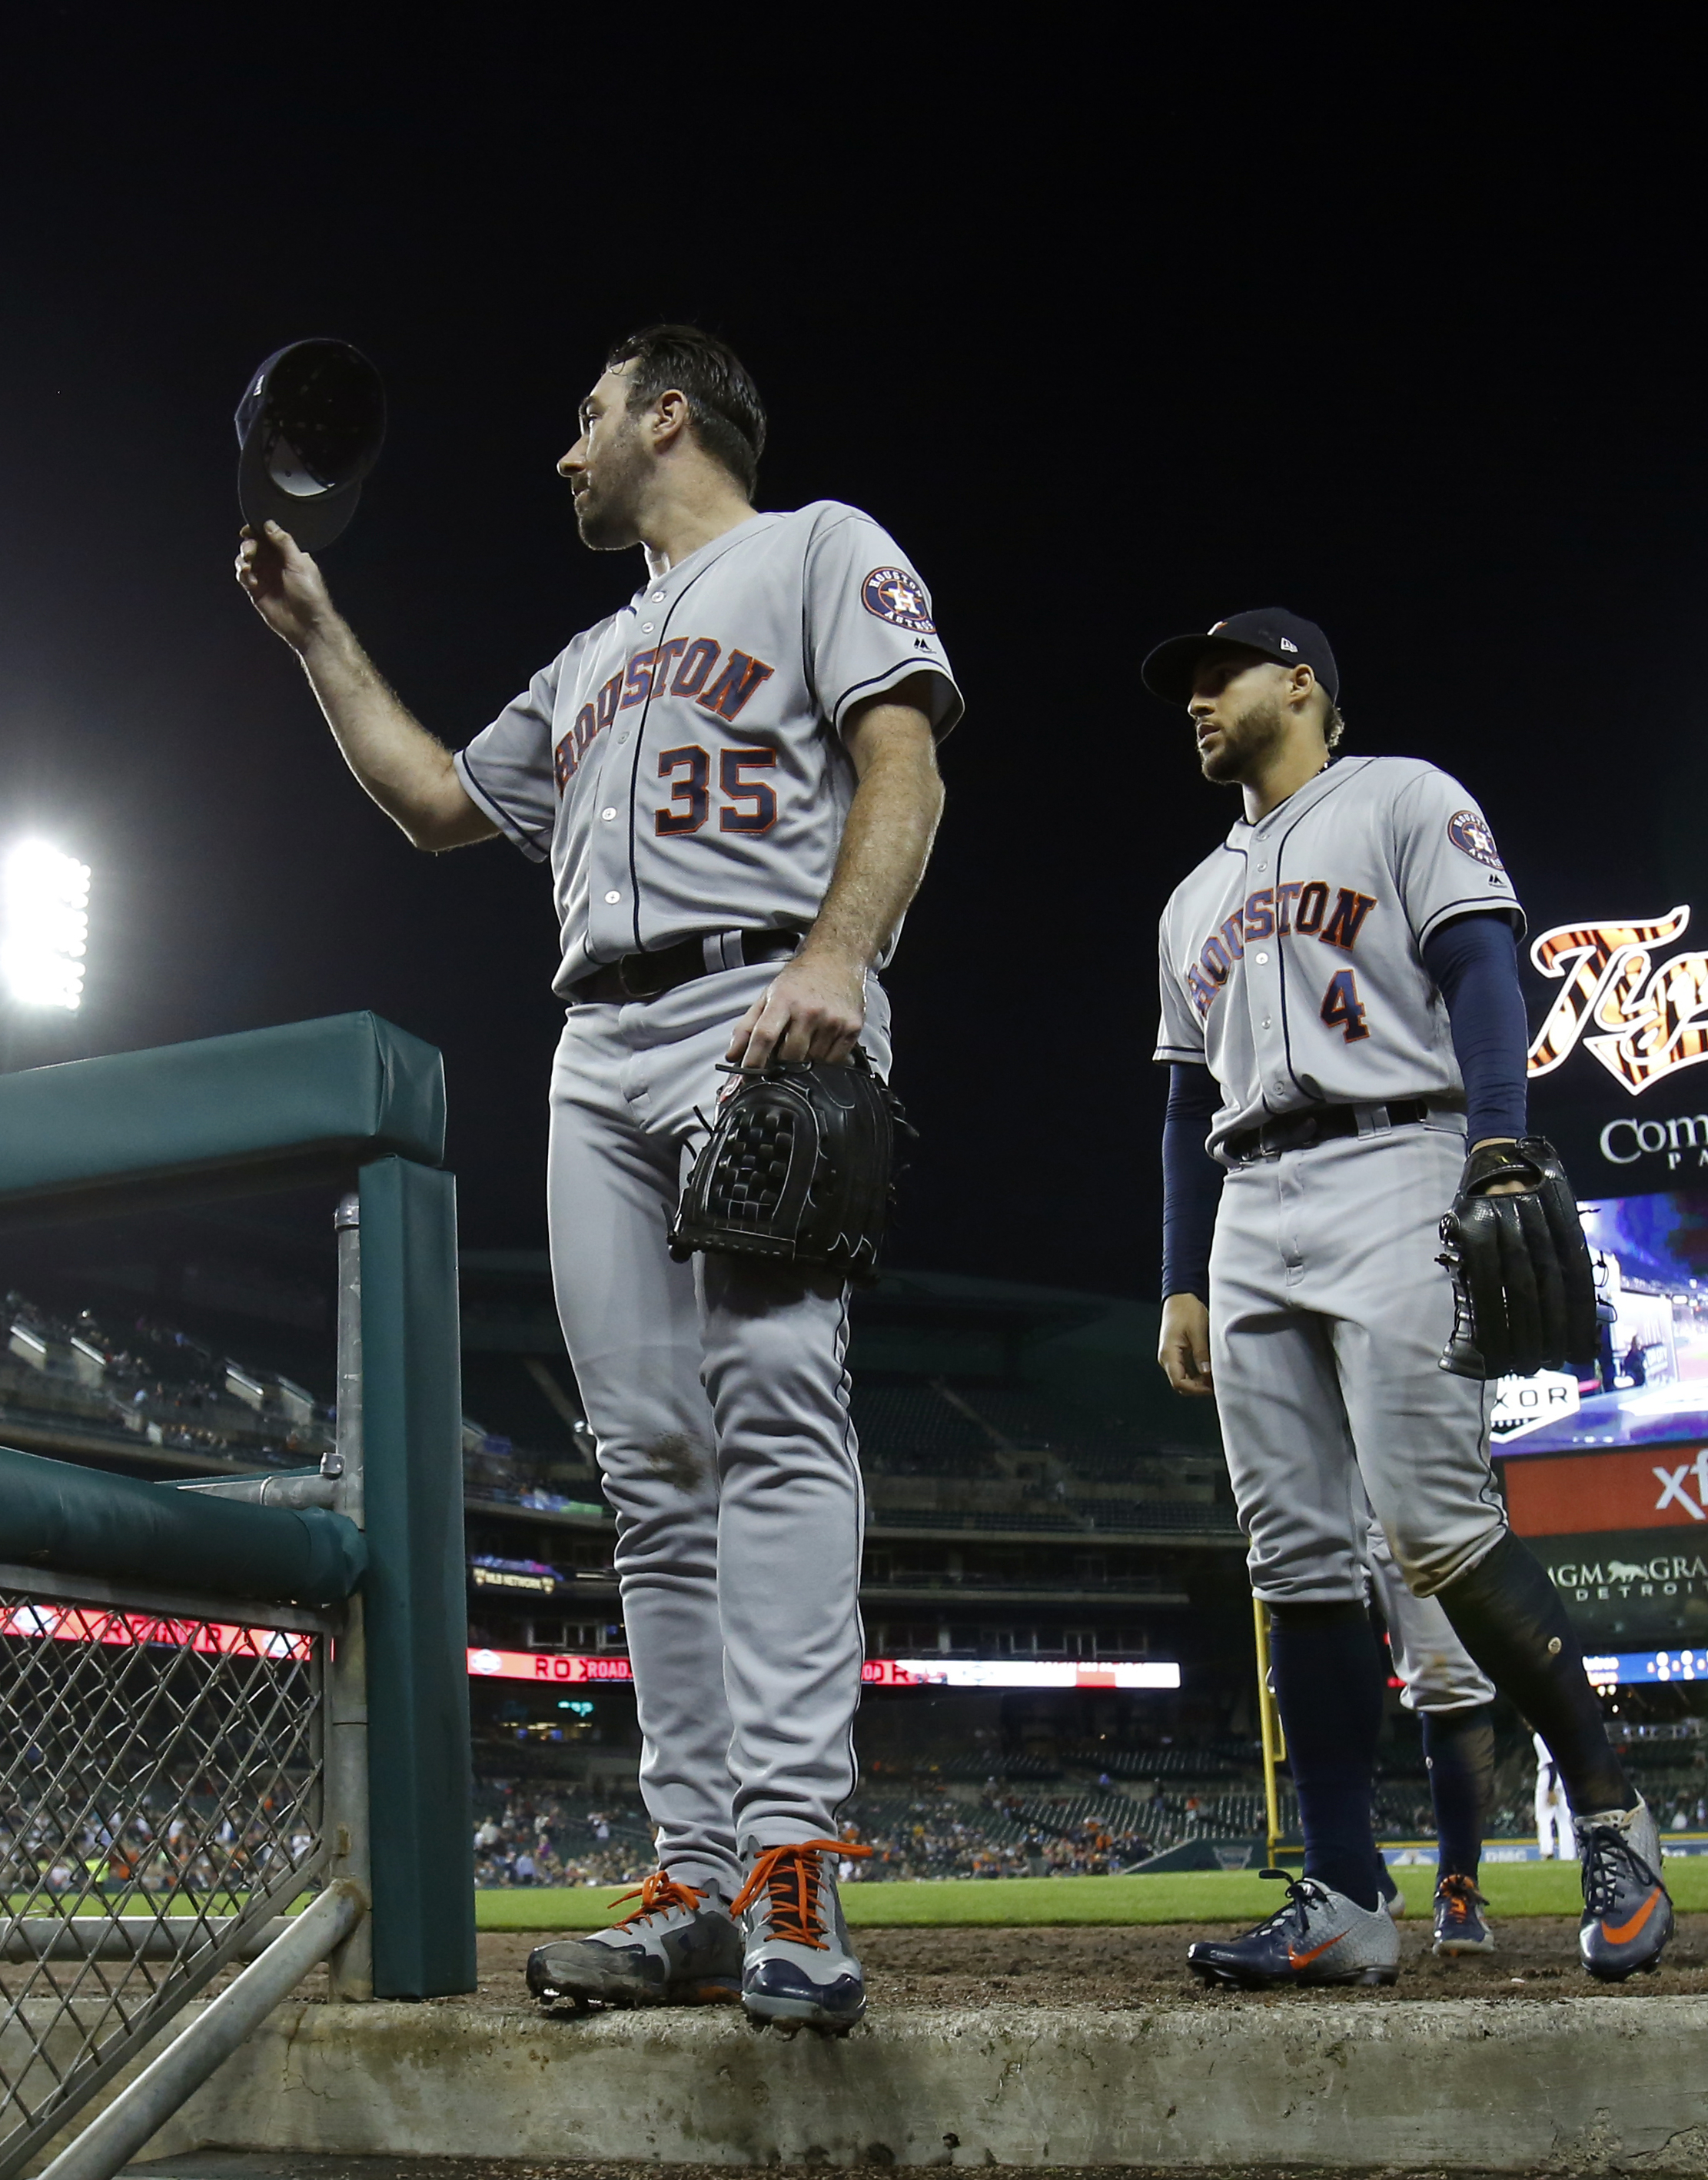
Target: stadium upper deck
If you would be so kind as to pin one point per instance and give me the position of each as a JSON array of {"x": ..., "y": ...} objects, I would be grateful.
[{"x": 1031, "y": 1491}]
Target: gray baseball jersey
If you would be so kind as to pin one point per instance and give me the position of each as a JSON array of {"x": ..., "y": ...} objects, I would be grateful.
[
  {"x": 681, "y": 763},
  {"x": 683, "y": 767},
  {"x": 1291, "y": 958}
]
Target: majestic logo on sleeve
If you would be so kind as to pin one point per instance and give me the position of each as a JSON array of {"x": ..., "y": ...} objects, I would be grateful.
[
  {"x": 1469, "y": 831},
  {"x": 1642, "y": 1019},
  {"x": 898, "y": 597}
]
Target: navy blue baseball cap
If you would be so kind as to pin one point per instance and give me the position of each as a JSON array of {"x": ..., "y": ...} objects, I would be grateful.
[
  {"x": 1271, "y": 632},
  {"x": 310, "y": 427}
]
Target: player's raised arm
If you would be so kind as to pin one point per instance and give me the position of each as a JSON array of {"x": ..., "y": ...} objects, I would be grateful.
[{"x": 405, "y": 768}]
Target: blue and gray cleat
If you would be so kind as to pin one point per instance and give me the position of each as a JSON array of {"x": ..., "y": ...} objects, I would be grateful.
[
  {"x": 1460, "y": 1924},
  {"x": 678, "y": 1948},
  {"x": 1628, "y": 1916},
  {"x": 800, "y": 1965},
  {"x": 1319, "y": 1937}
]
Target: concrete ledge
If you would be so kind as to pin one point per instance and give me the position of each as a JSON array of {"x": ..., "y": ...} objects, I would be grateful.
[{"x": 1573, "y": 2085}]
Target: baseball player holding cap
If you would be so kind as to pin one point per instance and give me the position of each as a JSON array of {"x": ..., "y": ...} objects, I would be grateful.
[
  {"x": 1341, "y": 1014},
  {"x": 734, "y": 783}
]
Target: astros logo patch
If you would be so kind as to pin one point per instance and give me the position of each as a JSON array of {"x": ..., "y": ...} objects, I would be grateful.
[
  {"x": 1470, "y": 834},
  {"x": 896, "y": 595}
]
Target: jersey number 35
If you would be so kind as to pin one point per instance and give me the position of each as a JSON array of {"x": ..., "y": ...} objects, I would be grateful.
[{"x": 690, "y": 769}]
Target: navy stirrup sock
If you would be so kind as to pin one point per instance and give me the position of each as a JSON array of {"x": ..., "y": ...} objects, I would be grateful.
[
  {"x": 1508, "y": 1615},
  {"x": 1459, "y": 1749},
  {"x": 1328, "y": 1683}
]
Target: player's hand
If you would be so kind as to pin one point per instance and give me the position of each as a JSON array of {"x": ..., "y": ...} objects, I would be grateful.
[
  {"x": 1502, "y": 1187},
  {"x": 285, "y": 586},
  {"x": 1183, "y": 1350},
  {"x": 813, "y": 1009}
]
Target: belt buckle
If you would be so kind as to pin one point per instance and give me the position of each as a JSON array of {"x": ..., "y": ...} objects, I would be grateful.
[{"x": 628, "y": 989}]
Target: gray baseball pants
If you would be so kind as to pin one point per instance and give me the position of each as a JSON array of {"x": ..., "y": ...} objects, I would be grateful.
[
  {"x": 1438, "y": 1671},
  {"x": 1328, "y": 1316},
  {"x": 717, "y": 1392}
]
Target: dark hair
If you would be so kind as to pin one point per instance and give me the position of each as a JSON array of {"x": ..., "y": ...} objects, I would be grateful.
[
  {"x": 1334, "y": 726},
  {"x": 723, "y": 404}
]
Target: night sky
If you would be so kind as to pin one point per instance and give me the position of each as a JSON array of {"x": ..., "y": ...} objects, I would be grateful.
[{"x": 1115, "y": 340}]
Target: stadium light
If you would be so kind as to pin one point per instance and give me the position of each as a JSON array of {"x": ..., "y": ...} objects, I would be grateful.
[{"x": 44, "y": 927}]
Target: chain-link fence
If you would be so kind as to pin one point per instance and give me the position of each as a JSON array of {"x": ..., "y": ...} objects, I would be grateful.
[{"x": 161, "y": 1800}]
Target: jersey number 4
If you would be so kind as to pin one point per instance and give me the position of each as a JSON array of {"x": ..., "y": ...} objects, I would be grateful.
[
  {"x": 1341, "y": 1007},
  {"x": 689, "y": 768}
]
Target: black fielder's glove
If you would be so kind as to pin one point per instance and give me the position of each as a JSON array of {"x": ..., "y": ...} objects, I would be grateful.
[
  {"x": 1523, "y": 1292},
  {"x": 798, "y": 1166}
]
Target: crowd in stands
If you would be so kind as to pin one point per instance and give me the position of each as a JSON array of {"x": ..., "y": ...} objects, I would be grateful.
[
  {"x": 548, "y": 1835},
  {"x": 148, "y": 1378},
  {"x": 169, "y": 1851},
  {"x": 951, "y": 1840},
  {"x": 924, "y": 1826},
  {"x": 540, "y": 1835}
]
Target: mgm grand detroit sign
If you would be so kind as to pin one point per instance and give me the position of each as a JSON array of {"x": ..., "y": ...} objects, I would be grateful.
[{"x": 1640, "y": 1013}]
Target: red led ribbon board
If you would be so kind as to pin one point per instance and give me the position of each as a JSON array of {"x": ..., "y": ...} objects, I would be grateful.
[
  {"x": 1658, "y": 1487},
  {"x": 61, "y": 1623}
]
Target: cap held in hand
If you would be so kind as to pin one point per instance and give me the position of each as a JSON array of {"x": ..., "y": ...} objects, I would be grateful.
[{"x": 310, "y": 427}]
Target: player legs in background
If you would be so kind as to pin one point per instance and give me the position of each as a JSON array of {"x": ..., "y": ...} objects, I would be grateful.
[
  {"x": 1452, "y": 1696},
  {"x": 1553, "y": 1811}
]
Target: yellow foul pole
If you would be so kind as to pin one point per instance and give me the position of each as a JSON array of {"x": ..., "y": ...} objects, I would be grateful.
[{"x": 1274, "y": 1749}]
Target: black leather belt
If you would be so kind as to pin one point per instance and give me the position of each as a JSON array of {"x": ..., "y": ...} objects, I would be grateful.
[
  {"x": 647, "y": 975},
  {"x": 1318, "y": 1124}
]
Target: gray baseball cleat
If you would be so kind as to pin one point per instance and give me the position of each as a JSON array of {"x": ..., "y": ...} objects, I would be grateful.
[
  {"x": 1320, "y": 1936},
  {"x": 1628, "y": 1915},
  {"x": 800, "y": 1965},
  {"x": 678, "y": 1948}
]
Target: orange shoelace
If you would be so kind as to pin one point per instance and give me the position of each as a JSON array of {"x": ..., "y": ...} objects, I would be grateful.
[
  {"x": 794, "y": 1878},
  {"x": 659, "y": 1892}
]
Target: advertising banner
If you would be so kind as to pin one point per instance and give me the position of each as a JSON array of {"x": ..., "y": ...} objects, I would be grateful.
[{"x": 562, "y": 1669}]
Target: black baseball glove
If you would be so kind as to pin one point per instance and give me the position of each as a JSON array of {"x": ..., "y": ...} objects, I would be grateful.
[
  {"x": 1523, "y": 1292},
  {"x": 799, "y": 1166}
]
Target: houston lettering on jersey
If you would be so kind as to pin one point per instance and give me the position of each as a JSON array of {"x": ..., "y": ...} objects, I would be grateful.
[
  {"x": 684, "y": 666},
  {"x": 1300, "y": 909}
]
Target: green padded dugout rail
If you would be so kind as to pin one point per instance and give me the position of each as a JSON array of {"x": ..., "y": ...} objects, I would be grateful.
[
  {"x": 414, "y": 1597},
  {"x": 80, "y": 1521},
  {"x": 266, "y": 1108},
  {"x": 307, "y": 1103}
]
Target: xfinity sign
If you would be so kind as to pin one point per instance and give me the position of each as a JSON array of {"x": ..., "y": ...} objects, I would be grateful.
[{"x": 1525, "y": 1404}]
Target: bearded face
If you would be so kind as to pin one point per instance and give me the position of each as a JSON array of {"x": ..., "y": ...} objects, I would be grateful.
[
  {"x": 607, "y": 492},
  {"x": 1233, "y": 743}
]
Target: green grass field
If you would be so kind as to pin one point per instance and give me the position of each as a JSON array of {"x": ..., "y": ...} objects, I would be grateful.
[{"x": 1537, "y": 1888}]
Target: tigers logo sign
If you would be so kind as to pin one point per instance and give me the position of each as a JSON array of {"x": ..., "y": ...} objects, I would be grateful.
[{"x": 1642, "y": 1020}]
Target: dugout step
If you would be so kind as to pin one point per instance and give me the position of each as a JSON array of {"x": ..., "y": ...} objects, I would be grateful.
[{"x": 1592, "y": 2083}]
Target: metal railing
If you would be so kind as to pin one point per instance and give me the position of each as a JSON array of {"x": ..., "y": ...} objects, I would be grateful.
[
  {"x": 184, "y": 1682},
  {"x": 162, "y": 1802},
  {"x": 174, "y": 1772}
]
